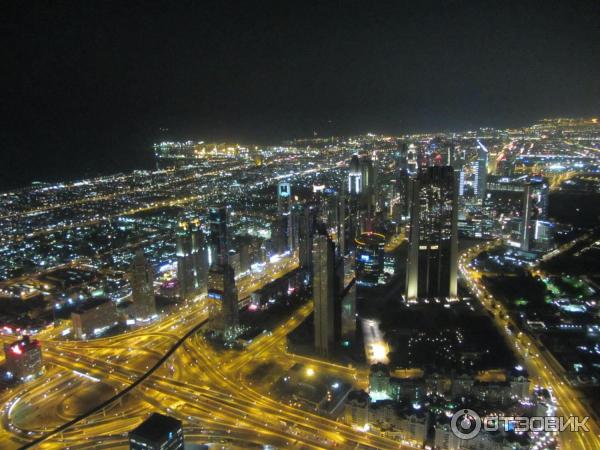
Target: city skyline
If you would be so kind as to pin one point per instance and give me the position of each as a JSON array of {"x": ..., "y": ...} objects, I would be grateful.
[
  {"x": 96, "y": 85},
  {"x": 302, "y": 225}
]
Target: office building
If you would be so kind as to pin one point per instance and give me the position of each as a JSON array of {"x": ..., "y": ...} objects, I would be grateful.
[
  {"x": 535, "y": 211},
  {"x": 284, "y": 235},
  {"x": 323, "y": 256},
  {"x": 141, "y": 278},
  {"x": 218, "y": 239},
  {"x": 481, "y": 173},
  {"x": 23, "y": 359},
  {"x": 355, "y": 183},
  {"x": 412, "y": 159},
  {"x": 306, "y": 231},
  {"x": 157, "y": 432},
  {"x": 367, "y": 172},
  {"x": 94, "y": 317},
  {"x": 192, "y": 259},
  {"x": 348, "y": 316},
  {"x": 222, "y": 290},
  {"x": 433, "y": 241},
  {"x": 369, "y": 254}
]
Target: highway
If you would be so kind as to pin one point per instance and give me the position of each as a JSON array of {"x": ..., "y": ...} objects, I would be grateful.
[
  {"x": 167, "y": 366},
  {"x": 541, "y": 368}
]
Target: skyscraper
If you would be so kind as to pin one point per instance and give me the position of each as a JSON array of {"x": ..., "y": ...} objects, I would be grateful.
[
  {"x": 481, "y": 174},
  {"x": 367, "y": 174},
  {"x": 355, "y": 182},
  {"x": 412, "y": 158},
  {"x": 534, "y": 212},
  {"x": 341, "y": 223},
  {"x": 222, "y": 289},
  {"x": 369, "y": 258},
  {"x": 431, "y": 269},
  {"x": 284, "y": 225},
  {"x": 306, "y": 230},
  {"x": 192, "y": 258},
  {"x": 323, "y": 255},
  {"x": 142, "y": 286},
  {"x": 218, "y": 242}
]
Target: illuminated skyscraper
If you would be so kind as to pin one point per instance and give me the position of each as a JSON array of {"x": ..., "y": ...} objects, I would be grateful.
[
  {"x": 306, "y": 230},
  {"x": 369, "y": 258},
  {"x": 355, "y": 182},
  {"x": 534, "y": 213},
  {"x": 323, "y": 293},
  {"x": 222, "y": 289},
  {"x": 192, "y": 259},
  {"x": 342, "y": 218},
  {"x": 284, "y": 225},
  {"x": 481, "y": 174},
  {"x": 218, "y": 242},
  {"x": 412, "y": 158},
  {"x": 433, "y": 243},
  {"x": 141, "y": 277},
  {"x": 367, "y": 174}
]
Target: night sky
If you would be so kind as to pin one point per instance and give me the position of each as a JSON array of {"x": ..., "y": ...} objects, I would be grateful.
[{"x": 87, "y": 86}]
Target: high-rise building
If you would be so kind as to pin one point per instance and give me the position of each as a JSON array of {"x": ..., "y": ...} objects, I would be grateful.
[
  {"x": 342, "y": 218},
  {"x": 355, "y": 182},
  {"x": 481, "y": 174},
  {"x": 218, "y": 240},
  {"x": 412, "y": 159},
  {"x": 431, "y": 269},
  {"x": 94, "y": 317},
  {"x": 400, "y": 205},
  {"x": 284, "y": 226},
  {"x": 157, "y": 432},
  {"x": 367, "y": 174},
  {"x": 23, "y": 359},
  {"x": 306, "y": 231},
  {"x": 348, "y": 316},
  {"x": 535, "y": 210},
  {"x": 323, "y": 255},
  {"x": 222, "y": 290},
  {"x": 369, "y": 253},
  {"x": 192, "y": 259},
  {"x": 141, "y": 277}
]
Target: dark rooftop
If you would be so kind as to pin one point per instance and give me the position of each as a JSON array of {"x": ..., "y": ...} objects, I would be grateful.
[{"x": 156, "y": 427}]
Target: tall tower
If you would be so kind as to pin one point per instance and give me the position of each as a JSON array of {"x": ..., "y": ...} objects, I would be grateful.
[
  {"x": 142, "y": 288},
  {"x": 535, "y": 210},
  {"x": 432, "y": 263},
  {"x": 218, "y": 243},
  {"x": 323, "y": 254},
  {"x": 222, "y": 289},
  {"x": 306, "y": 230},
  {"x": 284, "y": 217},
  {"x": 355, "y": 182},
  {"x": 412, "y": 158},
  {"x": 341, "y": 223},
  {"x": 192, "y": 258},
  {"x": 482, "y": 163}
]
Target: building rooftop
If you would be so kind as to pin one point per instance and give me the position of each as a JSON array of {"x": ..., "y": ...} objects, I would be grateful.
[
  {"x": 156, "y": 427},
  {"x": 23, "y": 345},
  {"x": 92, "y": 303}
]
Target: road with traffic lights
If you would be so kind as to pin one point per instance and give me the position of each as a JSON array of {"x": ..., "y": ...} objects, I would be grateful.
[{"x": 535, "y": 357}]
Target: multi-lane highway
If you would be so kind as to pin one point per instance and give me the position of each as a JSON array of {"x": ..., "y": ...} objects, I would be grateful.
[{"x": 542, "y": 368}]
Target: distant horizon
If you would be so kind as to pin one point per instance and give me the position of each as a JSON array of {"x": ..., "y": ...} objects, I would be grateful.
[{"x": 148, "y": 164}]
